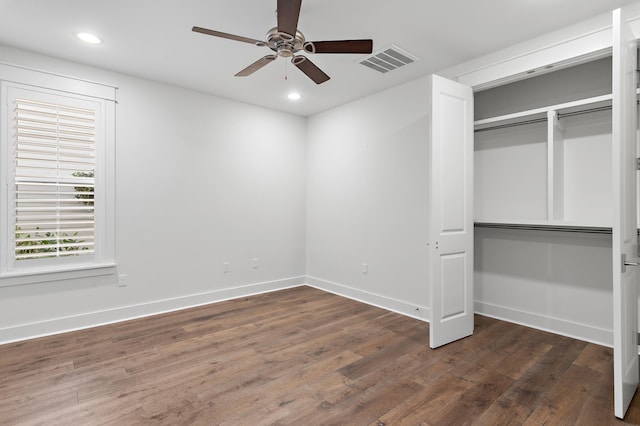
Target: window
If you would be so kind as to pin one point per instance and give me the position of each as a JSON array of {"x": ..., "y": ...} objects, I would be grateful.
[
  {"x": 57, "y": 185},
  {"x": 54, "y": 184}
]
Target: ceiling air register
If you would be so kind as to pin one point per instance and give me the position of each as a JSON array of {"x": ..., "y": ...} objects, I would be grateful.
[{"x": 388, "y": 59}]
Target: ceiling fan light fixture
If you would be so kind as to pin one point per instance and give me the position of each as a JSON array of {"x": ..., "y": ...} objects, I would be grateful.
[
  {"x": 286, "y": 40},
  {"x": 89, "y": 38},
  {"x": 285, "y": 52}
]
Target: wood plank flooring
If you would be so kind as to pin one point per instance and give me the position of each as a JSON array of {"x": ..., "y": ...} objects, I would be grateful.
[{"x": 304, "y": 357}]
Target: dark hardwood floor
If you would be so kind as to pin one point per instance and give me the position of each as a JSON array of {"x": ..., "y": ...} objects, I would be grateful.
[{"x": 304, "y": 357}]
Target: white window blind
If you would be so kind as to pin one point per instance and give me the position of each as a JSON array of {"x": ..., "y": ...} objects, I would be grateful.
[{"x": 54, "y": 179}]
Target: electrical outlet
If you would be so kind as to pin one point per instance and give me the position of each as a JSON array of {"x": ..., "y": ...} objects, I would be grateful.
[
  {"x": 225, "y": 267},
  {"x": 365, "y": 268},
  {"x": 254, "y": 263},
  {"x": 122, "y": 280}
]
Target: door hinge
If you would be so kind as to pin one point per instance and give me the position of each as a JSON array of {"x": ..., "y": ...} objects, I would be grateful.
[{"x": 638, "y": 163}]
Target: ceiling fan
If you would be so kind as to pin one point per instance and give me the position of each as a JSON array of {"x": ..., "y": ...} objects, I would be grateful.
[{"x": 286, "y": 41}]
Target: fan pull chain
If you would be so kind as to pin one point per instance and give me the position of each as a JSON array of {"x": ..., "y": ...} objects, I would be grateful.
[{"x": 286, "y": 69}]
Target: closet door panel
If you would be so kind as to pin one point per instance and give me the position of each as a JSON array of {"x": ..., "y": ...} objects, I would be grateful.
[
  {"x": 625, "y": 277},
  {"x": 451, "y": 212}
]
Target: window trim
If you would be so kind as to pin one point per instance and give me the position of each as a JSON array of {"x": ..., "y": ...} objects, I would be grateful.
[
  {"x": 65, "y": 272},
  {"x": 104, "y": 260}
]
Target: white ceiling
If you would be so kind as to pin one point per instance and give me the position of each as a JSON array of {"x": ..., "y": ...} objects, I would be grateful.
[{"x": 153, "y": 39}]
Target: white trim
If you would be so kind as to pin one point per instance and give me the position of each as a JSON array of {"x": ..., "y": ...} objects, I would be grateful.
[
  {"x": 550, "y": 324},
  {"x": 65, "y": 272},
  {"x": 93, "y": 319},
  {"x": 584, "y": 332},
  {"x": 48, "y": 80},
  {"x": 583, "y": 48},
  {"x": 423, "y": 313},
  {"x": 559, "y": 326}
]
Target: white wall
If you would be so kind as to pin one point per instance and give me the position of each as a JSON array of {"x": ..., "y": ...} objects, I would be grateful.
[
  {"x": 367, "y": 199},
  {"x": 200, "y": 181}
]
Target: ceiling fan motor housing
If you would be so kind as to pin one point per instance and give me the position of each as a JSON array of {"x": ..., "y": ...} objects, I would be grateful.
[{"x": 285, "y": 45}]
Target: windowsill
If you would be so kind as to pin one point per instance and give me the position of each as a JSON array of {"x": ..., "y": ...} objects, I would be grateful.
[{"x": 72, "y": 272}]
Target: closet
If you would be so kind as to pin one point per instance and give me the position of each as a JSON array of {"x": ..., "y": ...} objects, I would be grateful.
[
  {"x": 543, "y": 200},
  {"x": 555, "y": 198}
]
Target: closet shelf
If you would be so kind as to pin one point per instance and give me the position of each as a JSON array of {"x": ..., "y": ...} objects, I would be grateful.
[{"x": 541, "y": 114}]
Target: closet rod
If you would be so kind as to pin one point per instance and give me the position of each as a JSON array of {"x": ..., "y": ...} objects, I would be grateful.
[
  {"x": 553, "y": 228},
  {"x": 588, "y": 110},
  {"x": 584, "y": 111},
  {"x": 518, "y": 123}
]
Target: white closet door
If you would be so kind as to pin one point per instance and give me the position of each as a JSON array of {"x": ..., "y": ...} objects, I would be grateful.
[
  {"x": 625, "y": 278},
  {"x": 451, "y": 212}
]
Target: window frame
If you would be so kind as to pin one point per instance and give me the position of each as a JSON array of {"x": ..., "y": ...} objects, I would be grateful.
[{"x": 102, "y": 262}]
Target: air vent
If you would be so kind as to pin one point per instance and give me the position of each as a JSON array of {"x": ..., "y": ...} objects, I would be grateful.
[{"x": 388, "y": 59}]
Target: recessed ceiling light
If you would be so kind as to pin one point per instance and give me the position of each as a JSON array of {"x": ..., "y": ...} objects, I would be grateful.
[
  {"x": 294, "y": 96},
  {"x": 89, "y": 38}
]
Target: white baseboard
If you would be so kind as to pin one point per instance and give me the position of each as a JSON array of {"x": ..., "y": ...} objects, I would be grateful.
[
  {"x": 562, "y": 327},
  {"x": 125, "y": 313},
  {"x": 574, "y": 330},
  {"x": 408, "y": 309},
  {"x": 92, "y": 319}
]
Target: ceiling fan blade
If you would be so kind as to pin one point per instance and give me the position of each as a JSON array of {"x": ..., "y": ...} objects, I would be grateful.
[
  {"x": 228, "y": 36},
  {"x": 256, "y": 66},
  {"x": 339, "y": 46},
  {"x": 288, "y": 14},
  {"x": 310, "y": 69}
]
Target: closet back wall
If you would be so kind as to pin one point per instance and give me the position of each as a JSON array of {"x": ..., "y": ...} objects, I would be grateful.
[
  {"x": 200, "y": 181},
  {"x": 581, "y": 81}
]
